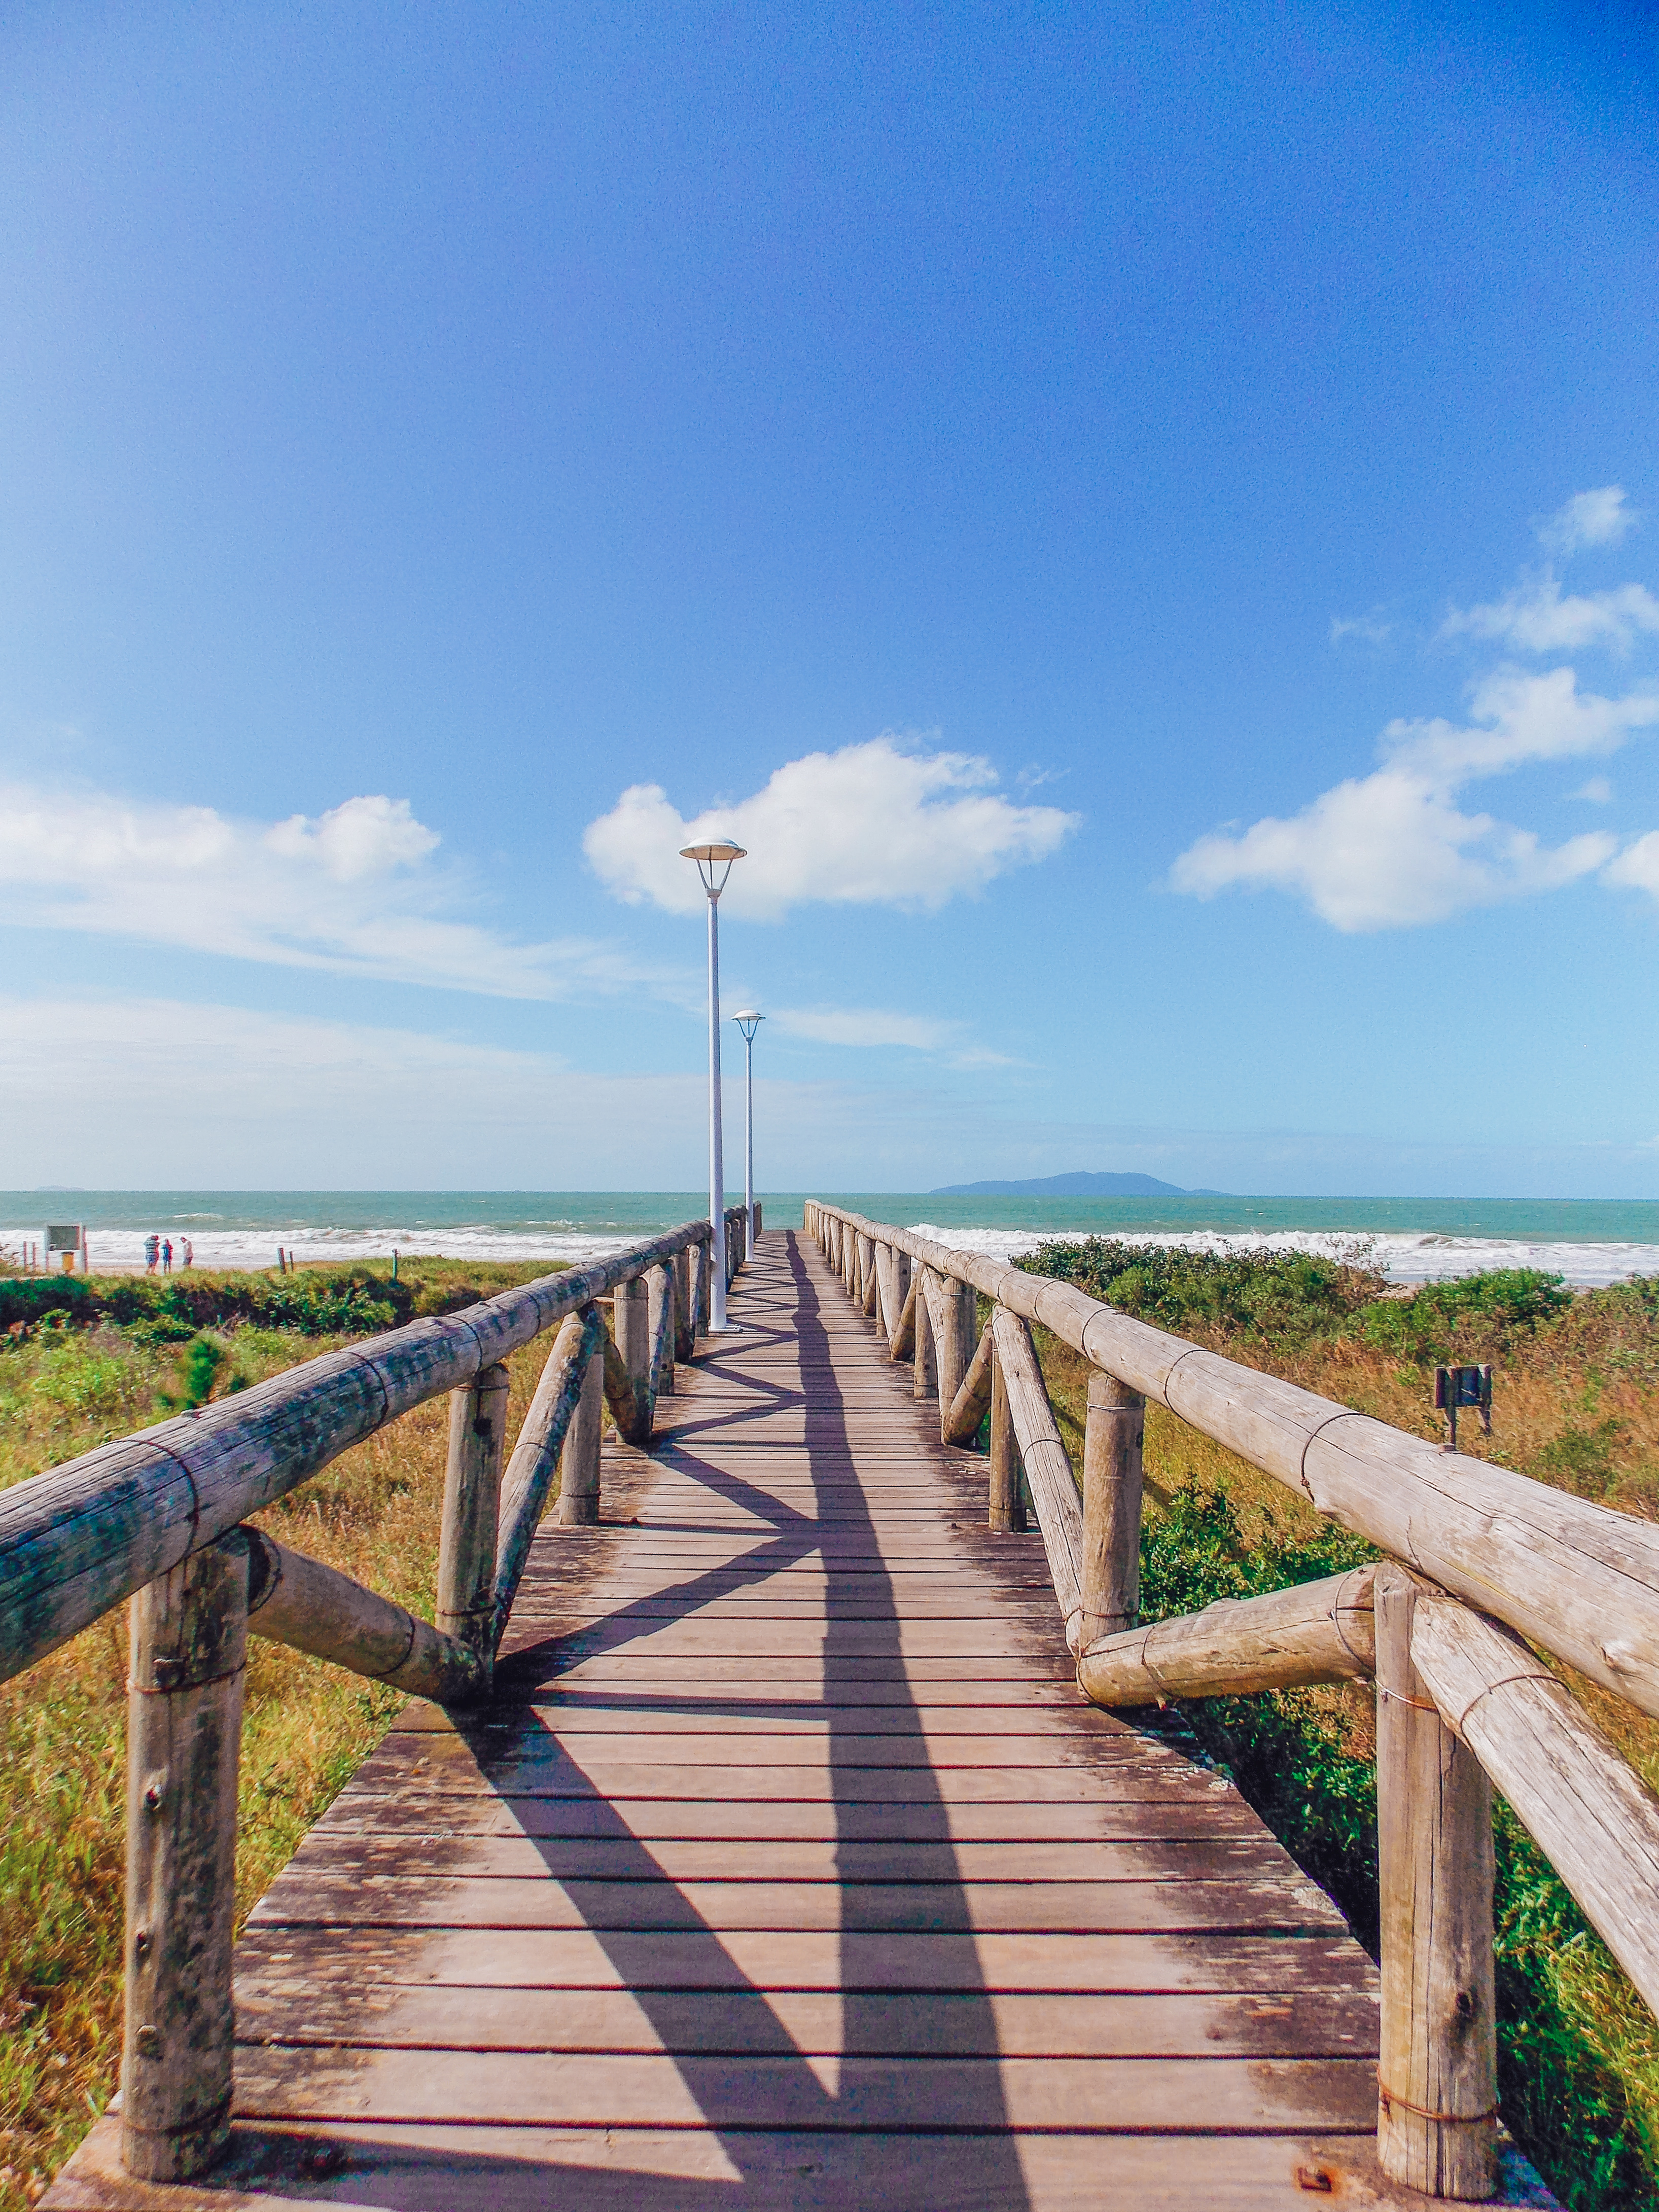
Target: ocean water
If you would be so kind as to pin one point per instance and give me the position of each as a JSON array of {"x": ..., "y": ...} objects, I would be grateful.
[{"x": 1411, "y": 1239}]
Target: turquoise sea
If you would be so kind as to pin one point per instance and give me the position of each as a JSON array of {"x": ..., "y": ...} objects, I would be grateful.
[{"x": 1412, "y": 1239}]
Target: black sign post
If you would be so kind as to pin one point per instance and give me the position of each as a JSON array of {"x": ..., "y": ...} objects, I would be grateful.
[{"x": 1462, "y": 1386}]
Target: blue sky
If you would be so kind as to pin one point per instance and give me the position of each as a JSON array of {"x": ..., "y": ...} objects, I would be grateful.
[{"x": 1145, "y": 518}]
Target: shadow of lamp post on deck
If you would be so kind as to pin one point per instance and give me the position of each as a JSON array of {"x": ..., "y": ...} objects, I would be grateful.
[
  {"x": 749, "y": 1021},
  {"x": 714, "y": 863}
]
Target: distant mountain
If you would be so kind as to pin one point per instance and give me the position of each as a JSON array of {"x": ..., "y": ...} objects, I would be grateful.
[{"x": 1079, "y": 1185}]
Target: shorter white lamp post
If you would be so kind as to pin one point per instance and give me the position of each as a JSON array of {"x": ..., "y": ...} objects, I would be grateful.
[
  {"x": 714, "y": 864},
  {"x": 749, "y": 1021}
]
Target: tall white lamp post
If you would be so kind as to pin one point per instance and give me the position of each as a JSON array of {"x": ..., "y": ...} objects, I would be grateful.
[
  {"x": 749, "y": 1021},
  {"x": 714, "y": 866}
]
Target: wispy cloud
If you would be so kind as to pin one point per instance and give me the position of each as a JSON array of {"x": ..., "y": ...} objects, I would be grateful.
[
  {"x": 1393, "y": 849},
  {"x": 1534, "y": 617},
  {"x": 870, "y": 825},
  {"x": 1371, "y": 628},
  {"x": 354, "y": 891},
  {"x": 1589, "y": 517},
  {"x": 864, "y": 1026}
]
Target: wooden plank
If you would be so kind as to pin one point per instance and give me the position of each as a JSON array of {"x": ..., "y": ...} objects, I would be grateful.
[
  {"x": 1231, "y": 2096},
  {"x": 1263, "y": 1906},
  {"x": 625, "y": 1858},
  {"x": 1129, "y": 1818},
  {"x": 305, "y": 1959}
]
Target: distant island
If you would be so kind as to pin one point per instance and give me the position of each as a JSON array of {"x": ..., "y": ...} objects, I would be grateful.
[{"x": 1079, "y": 1185}]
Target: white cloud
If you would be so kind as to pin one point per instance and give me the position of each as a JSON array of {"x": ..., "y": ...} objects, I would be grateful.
[
  {"x": 1536, "y": 618},
  {"x": 868, "y": 825},
  {"x": 868, "y": 1025},
  {"x": 351, "y": 890},
  {"x": 1393, "y": 849},
  {"x": 1589, "y": 517},
  {"x": 1371, "y": 628},
  {"x": 1598, "y": 791},
  {"x": 1637, "y": 868}
]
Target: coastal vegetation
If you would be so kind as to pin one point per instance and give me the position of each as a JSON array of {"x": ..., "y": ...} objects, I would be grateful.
[
  {"x": 1573, "y": 1405},
  {"x": 76, "y": 1370}
]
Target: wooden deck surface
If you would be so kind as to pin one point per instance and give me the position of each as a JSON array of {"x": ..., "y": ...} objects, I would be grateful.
[{"x": 789, "y": 1869}]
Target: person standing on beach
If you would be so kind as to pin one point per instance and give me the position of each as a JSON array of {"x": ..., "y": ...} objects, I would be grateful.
[
  {"x": 152, "y": 1250},
  {"x": 190, "y": 1253},
  {"x": 166, "y": 1257}
]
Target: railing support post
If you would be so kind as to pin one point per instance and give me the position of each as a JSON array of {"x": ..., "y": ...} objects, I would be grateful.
[
  {"x": 631, "y": 1325},
  {"x": 869, "y": 1298},
  {"x": 579, "y": 1456},
  {"x": 660, "y": 1293},
  {"x": 188, "y": 1648},
  {"x": 1112, "y": 1439},
  {"x": 1438, "y": 2075},
  {"x": 924, "y": 1366},
  {"x": 1007, "y": 1505},
  {"x": 959, "y": 1340},
  {"x": 686, "y": 1311},
  {"x": 472, "y": 1493},
  {"x": 897, "y": 1347}
]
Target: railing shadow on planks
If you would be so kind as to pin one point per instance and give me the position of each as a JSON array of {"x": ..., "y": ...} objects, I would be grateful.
[
  {"x": 1483, "y": 1565},
  {"x": 156, "y": 1517}
]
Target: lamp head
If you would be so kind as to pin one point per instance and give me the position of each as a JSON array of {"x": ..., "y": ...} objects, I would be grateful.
[
  {"x": 714, "y": 862},
  {"x": 749, "y": 1021}
]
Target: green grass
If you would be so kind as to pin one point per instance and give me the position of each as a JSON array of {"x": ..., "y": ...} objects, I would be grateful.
[{"x": 1578, "y": 2050}]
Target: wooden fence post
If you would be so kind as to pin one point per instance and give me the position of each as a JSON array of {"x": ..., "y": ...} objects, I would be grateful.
[
  {"x": 659, "y": 1294},
  {"x": 1007, "y": 1505},
  {"x": 686, "y": 1311},
  {"x": 869, "y": 1298},
  {"x": 757, "y": 1220},
  {"x": 188, "y": 1634},
  {"x": 472, "y": 1488},
  {"x": 1437, "y": 2075},
  {"x": 924, "y": 1366},
  {"x": 631, "y": 1325},
  {"x": 705, "y": 1277},
  {"x": 898, "y": 1346},
  {"x": 578, "y": 1503},
  {"x": 1112, "y": 1439},
  {"x": 958, "y": 1339}
]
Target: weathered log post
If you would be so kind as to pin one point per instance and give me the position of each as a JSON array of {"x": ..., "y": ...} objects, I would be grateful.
[
  {"x": 472, "y": 1487},
  {"x": 868, "y": 1286},
  {"x": 1438, "y": 2075},
  {"x": 659, "y": 1302},
  {"x": 1112, "y": 1439},
  {"x": 902, "y": 1340},
  {"x": 703, "y": 1269},
  {"x": 955, "y": 1335},
  {"x": 757, "y": 1220},
  {"x": 685, "y": 1309},
  {"x": 188, "y": 1632},
  {"x": 1007, "y": 1512},
  {"x": 630, "y": 1326},
  {"x": 578, "y": 1502},
  {"x": 924, "y": 1364},
  {"x": 971, "y": 1403}
]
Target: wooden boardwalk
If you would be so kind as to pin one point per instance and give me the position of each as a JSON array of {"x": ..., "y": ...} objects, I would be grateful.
[{"x": 790, "y": 1869}]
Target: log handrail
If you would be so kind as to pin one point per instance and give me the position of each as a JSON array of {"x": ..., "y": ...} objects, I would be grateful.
[
  {"x": 1490, "y": 1558},
  {"x": 1581, "y": 1580},
  {"x": 78, "y": 1539}
]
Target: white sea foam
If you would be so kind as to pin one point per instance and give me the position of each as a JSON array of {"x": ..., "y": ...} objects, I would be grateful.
[
  {"x": 1405, "y": 1257},
  {"x": 1421, "y": 1258},
  {"x": 121, "y": 1251}
]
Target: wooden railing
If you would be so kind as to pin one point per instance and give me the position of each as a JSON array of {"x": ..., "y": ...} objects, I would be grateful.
[
  {"x": 157, "y": 1517},
  {"x": 1482, "y": 1565}
]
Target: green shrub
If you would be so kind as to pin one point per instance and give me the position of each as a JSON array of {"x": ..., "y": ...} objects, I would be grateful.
[
  {"x": 1473, "y": 1317},
  {"x": 1275, "y": 1297}
]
